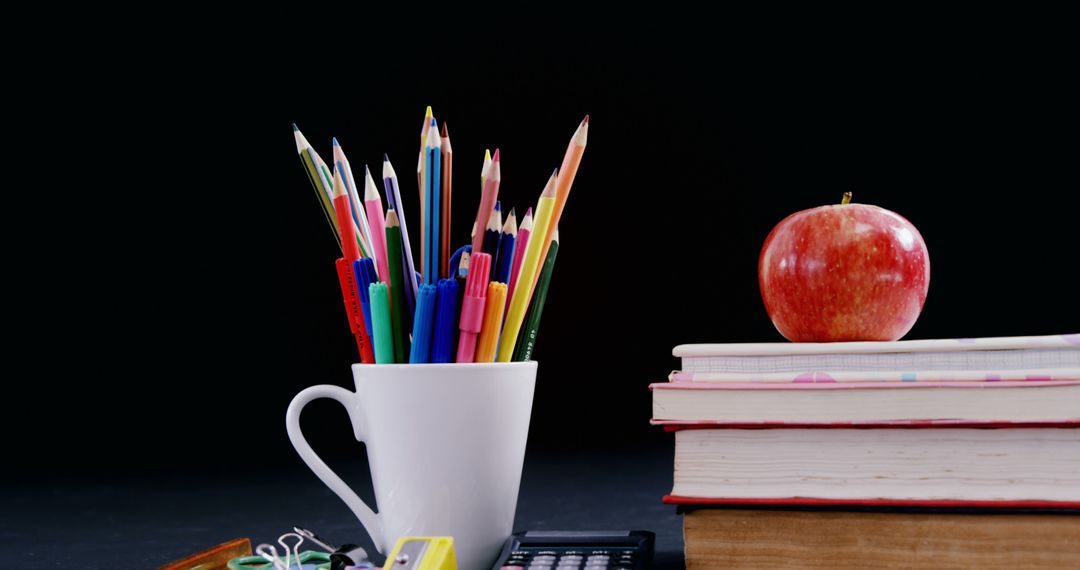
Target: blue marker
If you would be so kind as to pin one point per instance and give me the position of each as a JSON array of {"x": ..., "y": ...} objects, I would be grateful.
[
  {"x": 423, "y": 325},
  {"x": 443, "y": 346},
  {"x": 364, "y": 269}
]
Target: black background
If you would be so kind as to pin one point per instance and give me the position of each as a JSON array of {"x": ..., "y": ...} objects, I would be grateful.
[{"x": 181, "y": 274}]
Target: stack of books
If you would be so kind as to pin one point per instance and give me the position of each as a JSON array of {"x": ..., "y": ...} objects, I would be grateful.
[{"x": 929, "y": 453}]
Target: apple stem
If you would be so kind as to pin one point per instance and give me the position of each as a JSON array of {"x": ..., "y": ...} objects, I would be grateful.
[{"x": 846, "y": 199}]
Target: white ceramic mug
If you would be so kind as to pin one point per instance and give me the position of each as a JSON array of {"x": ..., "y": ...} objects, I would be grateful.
[{"x": 445, "y": 443}]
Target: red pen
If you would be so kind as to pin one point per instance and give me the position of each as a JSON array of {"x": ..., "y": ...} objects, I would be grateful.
[
  {"x": 343, "y": 213},
  {"x": 472, "y": 305}
]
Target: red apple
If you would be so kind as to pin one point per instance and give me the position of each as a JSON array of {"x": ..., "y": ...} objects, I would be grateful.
[{"x": 843, "y": 273}]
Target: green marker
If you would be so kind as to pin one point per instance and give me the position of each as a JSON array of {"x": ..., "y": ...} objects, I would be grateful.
[{"x": 382, "y": 336}]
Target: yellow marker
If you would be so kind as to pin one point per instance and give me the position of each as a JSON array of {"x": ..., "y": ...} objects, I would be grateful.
[
  {"x": 422, "y": 553},
  {"x": 530, "y": 265}
]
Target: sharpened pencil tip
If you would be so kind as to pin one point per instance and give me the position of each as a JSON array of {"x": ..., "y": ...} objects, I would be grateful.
[
  {"x": 335, "y": 142},
  {"x": 528, "y": 212},
  {"x": 586, "y": 121},
  {"x": 495, "y": 158},
  {"x": 295, "y": 128},
  {"x": 444, "y": 131},
  {"x": 428, "y": 113},
  {"x": 434, "y": 123},
  {"x": 385, "y": 157},
  {"x": 555, "y": 172}
]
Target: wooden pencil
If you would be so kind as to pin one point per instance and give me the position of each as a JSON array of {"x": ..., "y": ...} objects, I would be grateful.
[
  {"x": 397, "y": 291},
  {"x": 519, "y": 251},
  {"x": 421, "y": 168},
  {"x": 376, "y": 221},
  {"x": 311, "y": 160},
  {"x": 446, "y": 202},
  {"x": 571, "y": 160},
  {"x": 529, "y": 270},
  {"x": 487, "y": 201},
  {"x": 393, "y": 194},
  {"x": 505, "y": 256},
  {"x": 493, "y": 233},
  {"x": 527, "y": 342}
]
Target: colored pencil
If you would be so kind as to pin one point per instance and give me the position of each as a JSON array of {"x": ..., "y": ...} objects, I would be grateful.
[
  {"x": 421, "y": 169},
  {"x": 393, "y": 197},
  {"x": 442, "y": 347},
  {"x": 446, "y": 202},
  {"x": 527, "y": 342},
  {"x": 351, "y": 252},
  {"x": 341, "y": 162},
  {"x": 310, "y": 160},
  {"x": 377, "y": 222},
  {"x": 433, "y": 191},
  {"x": 397, "y": 287},
  {"x": 423, "y": 325},
  {"x": 455, "y": 258},
  {"x": 483, "y": 177},
  {"x": 383, "y": 328},
  {"x": 571, "y": 160},
  {"x": 529, "y": 270},
  {"x": 484, "y": 169},
  {"x": 489, "y": 332},
  {"x": 343, "y": 213},
  {"x": 493, "y": 233},
  {"x": 472, "y": 306},
  {"x": 519, "y": 252},
  {"x": 505, "y": 257},
  {"x": 487, "y": 201}
]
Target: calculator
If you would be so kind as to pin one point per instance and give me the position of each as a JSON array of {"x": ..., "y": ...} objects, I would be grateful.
[{"x": 577, "y": 550}]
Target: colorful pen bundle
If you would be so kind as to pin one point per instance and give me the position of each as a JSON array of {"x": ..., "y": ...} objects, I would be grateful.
[{"x": 481, "y": 304}]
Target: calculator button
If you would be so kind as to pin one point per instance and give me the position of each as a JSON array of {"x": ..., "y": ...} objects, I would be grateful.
[
  {"x": 570, "y": 560},
  {"x": 543, "y": 560},
  {"x": 512, "y": 567},
  {"x": 597, "y": 567},
  {"x": 568, "y": 566}
]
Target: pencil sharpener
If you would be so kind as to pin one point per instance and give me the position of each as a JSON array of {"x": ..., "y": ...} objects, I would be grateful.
[{"x": 422, "y": 553}]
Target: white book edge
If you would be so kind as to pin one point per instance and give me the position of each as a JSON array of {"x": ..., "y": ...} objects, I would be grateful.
[{"x": 1067, "y": 341}]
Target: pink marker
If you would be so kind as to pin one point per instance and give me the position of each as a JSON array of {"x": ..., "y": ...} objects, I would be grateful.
[
  {"x": 472, "y": 306},
  {"x": 377, "y": 223}
]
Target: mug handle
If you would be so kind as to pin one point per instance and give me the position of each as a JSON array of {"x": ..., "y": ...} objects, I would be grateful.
[{"x": 368, "y": 518}]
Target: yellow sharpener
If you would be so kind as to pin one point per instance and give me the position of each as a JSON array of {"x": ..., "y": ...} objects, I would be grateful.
[{"x": 422, "y": 553}]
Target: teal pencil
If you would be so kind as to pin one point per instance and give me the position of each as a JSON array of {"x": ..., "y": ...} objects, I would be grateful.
[
  {"x": 527, "y": 341},
  {"x": 398, "y": 294},
  {"x": 380, "y": 321}
]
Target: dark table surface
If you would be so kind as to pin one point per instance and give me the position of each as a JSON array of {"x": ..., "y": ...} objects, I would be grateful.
[{"x": 146, "y": 522}]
